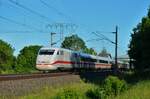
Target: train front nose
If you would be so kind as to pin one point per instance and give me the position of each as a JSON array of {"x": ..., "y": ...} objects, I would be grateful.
[
  {"x": 44, "y": 59},
  {"x": 44, "y": 63}
]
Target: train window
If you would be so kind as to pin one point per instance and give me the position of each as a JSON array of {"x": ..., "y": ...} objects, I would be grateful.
[
  {"x": 88, "y": 59},
  {"x": 93, "y": 60},
  {"x": 46, "y": 52},
  {"x": 103, "y": 61}
]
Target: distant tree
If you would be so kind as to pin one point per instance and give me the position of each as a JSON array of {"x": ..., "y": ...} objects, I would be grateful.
[
  {"x": 6, "y": 56},
  {"x": 90, "y": 51},
  {"x": 104, "y": 53},
  {"x": 74, "y": 43},
  {"x": 139, "y": 48},
  {"x": 26, "y": 60}
]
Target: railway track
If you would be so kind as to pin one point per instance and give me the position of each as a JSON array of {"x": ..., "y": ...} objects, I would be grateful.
[
  {"x": 7, "y": 77},
  {"x": 30, "y": 76}
]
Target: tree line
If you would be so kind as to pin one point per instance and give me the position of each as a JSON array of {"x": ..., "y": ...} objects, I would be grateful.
[
  {"x": 23, "y": 63},
  {"x": 139, "y": 47},
  {"x": 26, "y": 60}
]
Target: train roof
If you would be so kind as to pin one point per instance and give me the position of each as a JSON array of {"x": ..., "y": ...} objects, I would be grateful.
[
  {"x": 79, "y": 53},
  {"x": 56, "y": 48}
]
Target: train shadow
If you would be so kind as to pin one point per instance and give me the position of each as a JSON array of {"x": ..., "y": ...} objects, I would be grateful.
[{"x": 95, "y": 77}]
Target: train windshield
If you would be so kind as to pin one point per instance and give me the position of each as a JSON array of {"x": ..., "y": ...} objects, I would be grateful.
[{"x": 46, "y": 52}]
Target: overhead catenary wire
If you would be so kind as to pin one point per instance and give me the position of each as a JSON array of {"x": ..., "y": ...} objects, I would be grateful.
[
  {"x": 56, "y": 10},
  {"x": 30, "y": 10},
  {"x": 98, "y": 39},
  {"x": 56, "y": 25},
  {"x": 61, "y": 14},
  {"x": 72, "y": 26},
  {"x": 22, "y": 12},
  {"x": 42, "y": 16},
  {"x": 103, "y": 36},
  {"x": 18, "y": 23},
  {"x": 20, "y": 31}
]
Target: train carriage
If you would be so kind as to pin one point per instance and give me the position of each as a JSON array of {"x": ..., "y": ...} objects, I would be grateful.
[{"x": 59, "y": 58}]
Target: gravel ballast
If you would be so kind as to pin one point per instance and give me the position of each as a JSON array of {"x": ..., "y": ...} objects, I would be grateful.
[{"x": 26, "y": 86}]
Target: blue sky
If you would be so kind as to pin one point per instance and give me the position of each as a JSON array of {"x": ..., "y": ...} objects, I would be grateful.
[{"x": 88, "y": 15}]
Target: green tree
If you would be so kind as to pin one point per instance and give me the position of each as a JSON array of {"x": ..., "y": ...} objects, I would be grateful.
[
  {"x": 104, "y": 53},
  {"x": 6, "y": 56},
  {"x": 139, "y": 48},
  {"x": 26, "y": 60},
  {"x": 90, "y": 51},
  {"x": 74, "y": 43}
]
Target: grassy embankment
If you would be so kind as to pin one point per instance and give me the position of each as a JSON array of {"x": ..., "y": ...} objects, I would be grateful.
[
  {"x": 139, "y": 91},
  {"x": 78, "y": 89},
  {"x": 138, "y": 88}
]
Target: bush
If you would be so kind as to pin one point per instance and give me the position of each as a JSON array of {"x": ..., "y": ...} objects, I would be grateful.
[
  {"x": 96, "y": 93},
  {"x": 6, "y": 56},
  {"x": 26, "y": 59},
  {"x": 68, "y": 94},
  {"x": 114, "y": 86}
]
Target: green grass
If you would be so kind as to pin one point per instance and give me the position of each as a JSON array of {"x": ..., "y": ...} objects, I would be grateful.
[
  {"x": 139, "y": 91},
  {"x": 50, "y": 93},
  {"x": 8, "y": 72},
  {"x": 15, "y": 72}
]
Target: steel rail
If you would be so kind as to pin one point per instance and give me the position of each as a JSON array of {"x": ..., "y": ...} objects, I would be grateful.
[{"x": 6, "y": 77}]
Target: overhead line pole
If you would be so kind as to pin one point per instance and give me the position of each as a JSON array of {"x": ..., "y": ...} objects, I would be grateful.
[{"x": 116, "y": 49}]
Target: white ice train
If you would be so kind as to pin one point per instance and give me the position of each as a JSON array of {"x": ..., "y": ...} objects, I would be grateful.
[{"x": 59, "y": 58}]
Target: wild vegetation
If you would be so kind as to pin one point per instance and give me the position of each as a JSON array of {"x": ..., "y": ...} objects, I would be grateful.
[
  {"x": 137, "y": 91},
  {"x": 139, "y": 48},
  {"x": 6, "y": 57},
  {"x": 23, "y": 63},
  {"x": 26, "y": 60}
]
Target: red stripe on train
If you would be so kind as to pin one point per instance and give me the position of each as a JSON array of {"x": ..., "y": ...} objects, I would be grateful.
[{"x": 69, "y": 62}]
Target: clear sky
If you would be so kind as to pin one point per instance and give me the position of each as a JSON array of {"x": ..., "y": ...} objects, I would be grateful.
[{"x": 88, "y": 15}]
